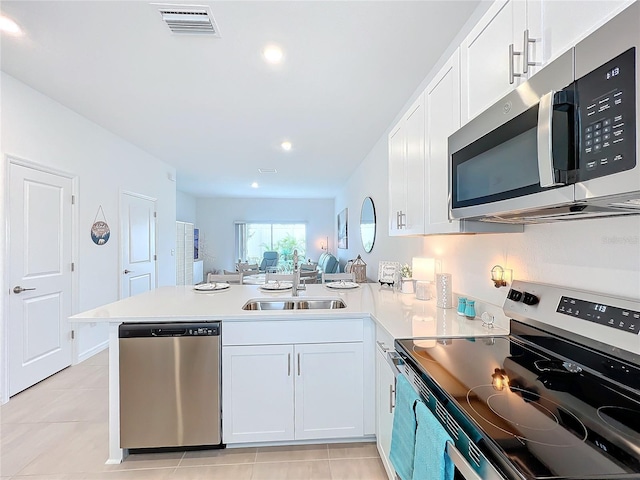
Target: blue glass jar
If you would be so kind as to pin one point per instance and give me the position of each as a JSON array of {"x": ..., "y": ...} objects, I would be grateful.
[
  {"x": 470, "y": 309},
  {"x": 462, "y": 305}
]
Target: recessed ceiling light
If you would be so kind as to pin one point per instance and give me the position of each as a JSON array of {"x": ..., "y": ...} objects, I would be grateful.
[
  {"x": 286, "y": 145},
  {"x": 9, "y": 26},
  {"x": 272, "y": 54},
  {"x": 254, "y": 185}
]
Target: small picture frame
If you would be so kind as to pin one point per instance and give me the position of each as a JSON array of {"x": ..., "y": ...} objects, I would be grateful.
[{"x": 388, "y": 272}]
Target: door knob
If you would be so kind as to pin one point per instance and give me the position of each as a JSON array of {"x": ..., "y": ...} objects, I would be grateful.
[
  {"x": 128, "y": 271},
  {"x": 19, "y": 289}
]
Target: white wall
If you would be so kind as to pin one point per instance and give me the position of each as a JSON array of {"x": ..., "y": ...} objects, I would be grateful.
[
  {"x": 602, "y": 255},
  {"x": 216, "y": 218},
  {"x": 186, "y": 207},
  {"x": 37, "y": 129}
]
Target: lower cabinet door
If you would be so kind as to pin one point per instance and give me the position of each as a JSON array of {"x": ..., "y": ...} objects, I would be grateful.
[
  {"x": 385, "y": 396},
  {"x": 329, "y": 385},
  {"x": 257, "y": 393}
]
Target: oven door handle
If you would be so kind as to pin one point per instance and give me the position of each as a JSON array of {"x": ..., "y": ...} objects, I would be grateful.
[
  {"x": 545, "y": 141},
  {"x": 461, "y": 463},
  {"x": 395, "y": 361}
]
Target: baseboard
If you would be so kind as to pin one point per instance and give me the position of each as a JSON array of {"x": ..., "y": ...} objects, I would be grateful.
[
  {"x": 92, "y": 351},
  {"x": 363, "y": 439}
]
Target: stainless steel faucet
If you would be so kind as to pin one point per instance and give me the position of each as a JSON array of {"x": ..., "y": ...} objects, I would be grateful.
[{"x": 296, "y": 274}]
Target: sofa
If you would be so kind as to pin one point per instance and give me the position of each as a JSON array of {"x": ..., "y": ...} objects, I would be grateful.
[{"x": 327, "y": 263}]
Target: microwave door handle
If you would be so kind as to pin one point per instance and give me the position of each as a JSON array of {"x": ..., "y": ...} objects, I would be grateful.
[{"x": 545, "y": 141}]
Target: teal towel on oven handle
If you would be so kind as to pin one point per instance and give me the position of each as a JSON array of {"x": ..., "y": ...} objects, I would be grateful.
[
  {"x": 431, "y": 461},
  {"x": 403, "y": 435}
]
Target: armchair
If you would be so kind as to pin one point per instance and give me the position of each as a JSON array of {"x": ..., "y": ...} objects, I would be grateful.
[
  {"x": 269, "y": 259},
  {"x": 327, "y": 263}
]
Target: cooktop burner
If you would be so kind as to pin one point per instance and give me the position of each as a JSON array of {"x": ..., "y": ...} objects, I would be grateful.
[
  {"x": 622, "y": 419},
  {"x": 527, "y": 417}
]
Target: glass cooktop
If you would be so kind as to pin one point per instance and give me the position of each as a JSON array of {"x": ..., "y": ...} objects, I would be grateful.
[{"x": 542, "y": 415}]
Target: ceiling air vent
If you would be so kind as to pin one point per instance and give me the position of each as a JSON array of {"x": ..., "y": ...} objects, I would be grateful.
[{"x": 189, "y": 19}]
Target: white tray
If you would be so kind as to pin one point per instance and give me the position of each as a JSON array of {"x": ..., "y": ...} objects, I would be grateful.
[
  {"x": 211, "y": 287},
  {"x": 341, "y": 285},
  {"x": 276, "y": 286}
]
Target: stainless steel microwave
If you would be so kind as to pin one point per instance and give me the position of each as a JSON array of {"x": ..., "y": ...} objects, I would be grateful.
[{"x": 561, "y": 146}]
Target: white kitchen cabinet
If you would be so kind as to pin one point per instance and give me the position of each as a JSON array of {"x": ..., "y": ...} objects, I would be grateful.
[
  {"x": 329, "y": 390},
  {"x": 406, "y": 172},
  {"x": 485, "y": 54},
  {"x": 442, "y": 98},
  {"x": 184, "y": 253},
  {"x": 311, "y": 388},
  {"x": 564, "y": 23},
  {"x": 257, "y": 394},
  {"x": 385, "y": 404}
]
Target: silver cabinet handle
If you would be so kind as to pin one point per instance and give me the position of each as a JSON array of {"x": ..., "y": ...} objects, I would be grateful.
[
  {"x": 399, "y": 219},
  {"x": 298, "y": 364},
  {"x": 391, "y": 394},
  {"x": 19, "y": 289},
  {"x": 512, "y": 74},
  {"x": 525, "y": 52},
  {"x": 288, "y": 364}
]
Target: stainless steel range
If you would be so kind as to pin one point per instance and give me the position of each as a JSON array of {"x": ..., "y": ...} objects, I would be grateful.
[{"x": 559, "y": 398}]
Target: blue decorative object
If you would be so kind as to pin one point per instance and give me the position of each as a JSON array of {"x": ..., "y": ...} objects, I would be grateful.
[
  {"x": 470, "y": 310},
  {"x": 462, "y": 305},
  {"x": 100, "y": 231}
]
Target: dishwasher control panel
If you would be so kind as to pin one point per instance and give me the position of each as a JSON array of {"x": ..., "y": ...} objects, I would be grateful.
[{"x": 190, "y": 329}]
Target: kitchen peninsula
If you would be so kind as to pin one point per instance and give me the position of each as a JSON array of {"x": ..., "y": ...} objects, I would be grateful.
[{"x": 372, "y": 313}]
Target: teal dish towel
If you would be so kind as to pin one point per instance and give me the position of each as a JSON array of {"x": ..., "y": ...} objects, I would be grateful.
[
  {"x": 430, "y": 459},
  {"x": 403, "y": 435}
]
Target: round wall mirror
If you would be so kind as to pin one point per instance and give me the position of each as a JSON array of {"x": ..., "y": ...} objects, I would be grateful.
[{"x": 368, "y": 224}]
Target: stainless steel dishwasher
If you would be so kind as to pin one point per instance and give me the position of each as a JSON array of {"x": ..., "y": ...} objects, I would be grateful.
[{"x": 170, "y": 385}]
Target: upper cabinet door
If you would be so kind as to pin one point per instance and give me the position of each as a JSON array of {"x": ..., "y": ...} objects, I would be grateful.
[
  {"x": 443, "y": 118},
  {"x": 406, "y": 172},
  {"x": 415, "y": 138},
  {"x": 488, "y": 70},
  {"x": 566, "y": 23},
  {"x": 397, "y": 176}
]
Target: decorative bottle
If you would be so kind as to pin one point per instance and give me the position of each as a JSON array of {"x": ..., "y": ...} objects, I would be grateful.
[
  {"x": 462, "y": 305},
  {"x": 470, "y": 310}
]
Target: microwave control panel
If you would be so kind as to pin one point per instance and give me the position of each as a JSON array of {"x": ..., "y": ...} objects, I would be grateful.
[{"x": 607, "y": 112}]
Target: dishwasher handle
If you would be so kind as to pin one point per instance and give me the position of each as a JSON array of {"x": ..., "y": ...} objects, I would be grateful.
[{"x": 169, "y": 332}]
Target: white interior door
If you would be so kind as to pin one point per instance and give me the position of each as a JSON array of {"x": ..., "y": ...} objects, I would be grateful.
[
  {"x": 40, "y": 225},
  {"x": 138, "y": 240}
]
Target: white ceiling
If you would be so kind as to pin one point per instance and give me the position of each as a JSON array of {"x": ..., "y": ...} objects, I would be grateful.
[{"x": 212, "y": 107}]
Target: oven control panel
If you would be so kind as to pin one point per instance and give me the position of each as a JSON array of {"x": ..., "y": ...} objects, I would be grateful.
[{"x": 615, "y": 317}]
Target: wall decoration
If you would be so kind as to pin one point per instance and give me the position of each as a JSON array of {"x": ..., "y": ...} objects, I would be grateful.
[
  {"x": 196, "y": 243},
  {"x": 100, "y": 231},
  {"x": 343, "y": 238}
]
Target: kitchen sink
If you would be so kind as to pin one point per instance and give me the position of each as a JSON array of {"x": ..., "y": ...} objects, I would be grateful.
[{"x": 290, "y": 304}]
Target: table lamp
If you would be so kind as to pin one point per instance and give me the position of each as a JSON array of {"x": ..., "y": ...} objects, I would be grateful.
[{"x": 423, "y": 273}]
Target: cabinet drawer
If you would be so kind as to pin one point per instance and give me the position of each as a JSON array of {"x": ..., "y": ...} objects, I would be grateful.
[{"x": 273, "y": 332}]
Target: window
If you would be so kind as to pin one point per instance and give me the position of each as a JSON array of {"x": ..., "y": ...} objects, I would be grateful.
[{"x": 253, "y": 239}]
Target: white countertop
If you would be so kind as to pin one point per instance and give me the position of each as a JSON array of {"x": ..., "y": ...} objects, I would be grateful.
[{"x": 401, "y": 315}]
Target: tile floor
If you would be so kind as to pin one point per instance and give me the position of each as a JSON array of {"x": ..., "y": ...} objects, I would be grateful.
[{"x": 57, "y": 430}]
